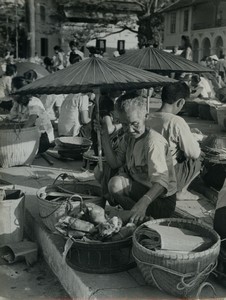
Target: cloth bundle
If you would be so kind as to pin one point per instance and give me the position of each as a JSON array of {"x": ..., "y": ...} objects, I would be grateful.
[{"x": 171, "y": 239}]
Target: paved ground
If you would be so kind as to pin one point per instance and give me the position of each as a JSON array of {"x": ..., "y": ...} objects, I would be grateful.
[
  {"x": 20, "y": 282},
  {"x": 123, "y": 285}
]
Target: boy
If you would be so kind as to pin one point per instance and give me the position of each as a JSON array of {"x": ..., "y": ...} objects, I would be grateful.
[
  {"x": 184, "y": 148},
  {"x": 150, "y": 180}
]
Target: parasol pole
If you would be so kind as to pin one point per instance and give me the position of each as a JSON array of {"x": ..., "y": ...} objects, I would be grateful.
[
  {"x": 148, "y": 101},
  {"x": 97, "y": 98}
]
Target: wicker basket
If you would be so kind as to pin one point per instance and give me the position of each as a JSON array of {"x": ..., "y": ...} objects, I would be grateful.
[
  {"x": 18, "y": 146},
  {"x": 72, "y": 147},
  {"x": 221, "y": 117},
  {"x": 213, "y": 112},
  {"x": 192, "y": 108},
  {"x": 50, "y": 212},
  {"x": 177, "y": 274},
  {"x": 101, "y": 257},
  {"x": 204, "y": 112}
]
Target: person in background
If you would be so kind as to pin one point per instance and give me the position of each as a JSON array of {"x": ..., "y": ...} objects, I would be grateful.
[
  {"x": 219, "y": 224},
  {"x": 221, "y": 66},
  {"x": 198, "y": 88},
  {"x": 36, "y": 59},
  {"x": 149, "y": 181},
  {"x": 52, "y": 104},
  {"x": 29, "y": 109},
  {"x": 184, "y": 148},
  {"x": 108, "y": 118},
  {"x": 6, "y": 87},
  {"x": 58, "y": 58},
  {"x": 186, "y": 47},
  {"x": 74, "y": 55},
  {"x": 48, "y": 62},
  {"x": 74, "y": 117}
]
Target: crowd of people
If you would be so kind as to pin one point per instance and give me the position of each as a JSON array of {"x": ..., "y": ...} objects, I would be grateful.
[{"x": 150, "y": 159}]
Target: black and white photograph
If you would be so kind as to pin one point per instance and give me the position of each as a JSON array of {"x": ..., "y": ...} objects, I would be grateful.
[{"x": 112, "y": 149}]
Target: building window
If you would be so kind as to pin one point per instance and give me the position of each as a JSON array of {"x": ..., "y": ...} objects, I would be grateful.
[
  {"x": 44, "y": 47},
  {"x": 186, "y": 19},
  {"x": 121, "y": 46},
  {"x": 101, "y": 45},
  {"x": 42, "y": 13},
  {"x": 173, "y": 19}
]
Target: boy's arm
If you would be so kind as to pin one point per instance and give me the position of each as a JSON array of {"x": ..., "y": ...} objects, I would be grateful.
[{"x": 187, "y": 142}]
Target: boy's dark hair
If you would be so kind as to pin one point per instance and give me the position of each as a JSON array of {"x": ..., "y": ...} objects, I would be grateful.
[
  {"x": 57, "y": 48},
  {"x": 48, "y": 61},
  {"x": 30, "y": 75},
  {"x": 19, "y": 82},
  {"x": 195, "y": 78},
  {"x": 10, "y": 70},
  {"x": 175, "y": 91},
  {"x": 73, "y": 43}
]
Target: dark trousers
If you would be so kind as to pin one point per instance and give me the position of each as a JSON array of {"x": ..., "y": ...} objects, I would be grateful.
[{"x": 44, "y": 143}]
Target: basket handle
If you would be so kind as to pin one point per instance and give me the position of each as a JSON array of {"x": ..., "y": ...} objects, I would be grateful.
[{"x": 68, "y": 208}]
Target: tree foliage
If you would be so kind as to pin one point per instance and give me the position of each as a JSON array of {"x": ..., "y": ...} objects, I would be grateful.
[
  {"x": 148, "y": 23},
  {"x": 12, "y": 18}
]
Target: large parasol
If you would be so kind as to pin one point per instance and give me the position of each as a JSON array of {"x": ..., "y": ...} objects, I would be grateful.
[
  {"x": 156, "y": 60},
  {"x": 95, "y": 74},
  {"x": 160, "y": 61},
  {"x": 23, "y": 67}
]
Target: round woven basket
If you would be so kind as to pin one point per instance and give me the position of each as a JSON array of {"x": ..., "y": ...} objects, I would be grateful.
[
  {"x": 18, "y": 146},
  {"x": 221, "y": 117},
  {"x": 177, "y": 274},
  {"x": 72, "y": 147},
  {"x": 213, "y": 112},
  {"x": 50, "y": 212},
  {"x": 204, "y": 112},
  {"x": 101, "y": 257},
  {"x": 192, "y": 108}
]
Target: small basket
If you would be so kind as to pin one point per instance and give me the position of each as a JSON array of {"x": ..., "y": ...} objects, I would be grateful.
[
  {"x": 101, "y": 257},
  {"x": 72, "y": 147},
  {"x": 204, "y": 112},
  {"x": 221, "y": 117},
  {"x": 192, "y": 108},
  {"x": 213, "y": 112},
  {"x": 50, "y": 212},
  {"x": 177, "y": 274}
]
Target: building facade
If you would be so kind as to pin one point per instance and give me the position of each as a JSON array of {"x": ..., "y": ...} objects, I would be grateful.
[
  {"x": 204, "y": 21},
  {"x": 47, "y": 27}
]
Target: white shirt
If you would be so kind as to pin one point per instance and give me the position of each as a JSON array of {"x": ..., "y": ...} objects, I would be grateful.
[
  {"x": 5, "y": 86},
  {"x": 178, "y": 134},
  {"x": 34, "y": 107},
  {"x": 69, "y": 120},
  {"x": 49, "y": 101}
]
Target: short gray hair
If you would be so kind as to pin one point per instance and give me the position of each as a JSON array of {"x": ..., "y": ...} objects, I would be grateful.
[{"x": 128, "y": 100}]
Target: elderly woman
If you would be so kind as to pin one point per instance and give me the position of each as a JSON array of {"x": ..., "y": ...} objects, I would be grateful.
[
  {"x": 29, "y": 109},
  {"x": 146, "y": 187}
]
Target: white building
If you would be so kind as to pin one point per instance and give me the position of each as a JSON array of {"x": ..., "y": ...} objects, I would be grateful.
[{"x": 204, "y": 21}]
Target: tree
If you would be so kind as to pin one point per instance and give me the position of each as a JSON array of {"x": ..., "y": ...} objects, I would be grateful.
[
  {"x": 149, "y": 21},
  {"x": 12, "y": 17}
]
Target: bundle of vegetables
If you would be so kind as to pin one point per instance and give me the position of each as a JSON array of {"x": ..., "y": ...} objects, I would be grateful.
[{"x": 89, "y": 222}]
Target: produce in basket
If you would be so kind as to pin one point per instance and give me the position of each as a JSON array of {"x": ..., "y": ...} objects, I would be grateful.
[{"x": 90, "y": 222}]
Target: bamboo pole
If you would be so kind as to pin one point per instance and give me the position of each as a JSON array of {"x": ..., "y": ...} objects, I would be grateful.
[{"x": 97, "y": 94}]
